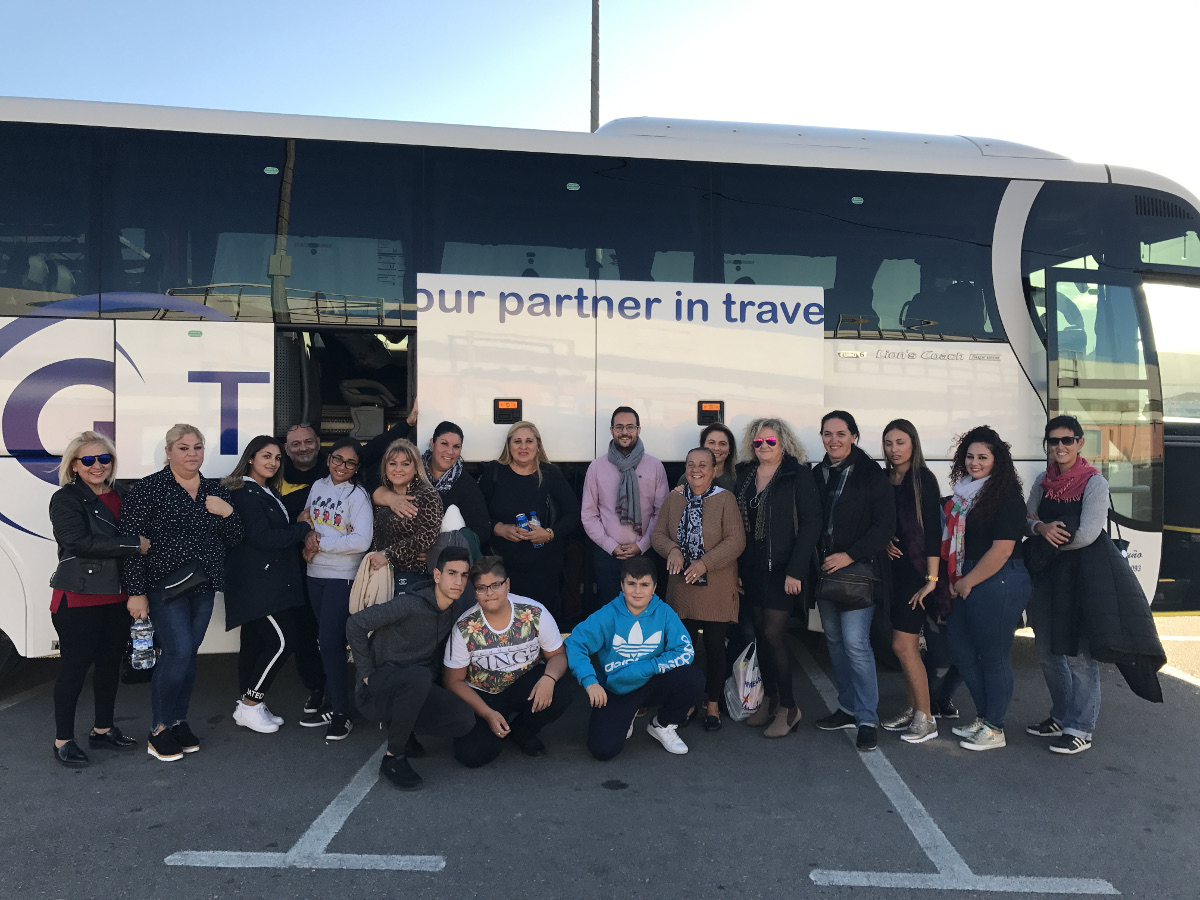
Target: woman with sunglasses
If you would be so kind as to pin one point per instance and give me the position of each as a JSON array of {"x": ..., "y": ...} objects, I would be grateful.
[
  {"x": 859, "y": 513},
  {"x": 1068, "y": 508},
  {"x": 339, "y": 511},
  {"x": 781, "y": 513},
  {"x": 984, "y": 520},
  {"x": 87, "y": 606}
]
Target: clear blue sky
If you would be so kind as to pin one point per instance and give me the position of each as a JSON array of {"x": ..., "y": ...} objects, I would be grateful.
[{"x": 1098, "y": 80}]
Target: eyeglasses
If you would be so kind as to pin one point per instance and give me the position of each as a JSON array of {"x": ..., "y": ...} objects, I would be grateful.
[
  {"x": 631, "y": 429},
  {"x": 770, "y": 442},
  {"x": 343, "y": 462},
  {"x": 1065, "y": 441},
  {"x": 486, "y": 590},
  {"x": 104, "y": 459}
]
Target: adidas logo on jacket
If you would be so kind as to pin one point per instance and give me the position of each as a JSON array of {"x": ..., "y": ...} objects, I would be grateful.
[{"x": 630, "y": 649}]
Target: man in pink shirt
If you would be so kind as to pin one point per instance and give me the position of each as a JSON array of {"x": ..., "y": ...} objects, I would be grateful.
[{"x": 622, "y": 494}]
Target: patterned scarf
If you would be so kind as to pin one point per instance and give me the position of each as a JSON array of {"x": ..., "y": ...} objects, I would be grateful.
[
  {"x": 954, "y": 534},
  {"x": 446, "y": 482},
  {"x": 1069, "y": 485},
  {"x": 690, "y": 532},
  {"x": 629, "y": 501}
]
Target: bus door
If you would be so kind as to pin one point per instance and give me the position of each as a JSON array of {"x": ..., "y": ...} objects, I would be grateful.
[{"x": 1103, "y": 369}]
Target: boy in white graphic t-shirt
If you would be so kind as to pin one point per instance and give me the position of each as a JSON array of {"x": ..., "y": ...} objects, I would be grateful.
[{"x": 494, "y": 661}]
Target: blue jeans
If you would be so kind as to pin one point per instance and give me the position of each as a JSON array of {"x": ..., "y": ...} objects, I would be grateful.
[
  {"x": 330, "y": 599},
  {"x": 848, "y": 634},
  {"x": 1073, "y": 681},
  {"x": 980, "y": 631},
  {"x": 179, "y": 628}
]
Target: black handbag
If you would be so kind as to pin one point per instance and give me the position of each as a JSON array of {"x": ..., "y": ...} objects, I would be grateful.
[
  {"x": 852, "y": 587},
  {"x": 1121, "y": 543},
  {"x": 187, "y": 578}
]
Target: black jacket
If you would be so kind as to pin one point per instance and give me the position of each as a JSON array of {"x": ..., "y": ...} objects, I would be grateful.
[
  {"x": 864, "y": 518},
  {"x": 465, "y": 494},
  {"x": 408, "y": 630},
  {"x": 793, "y": 518},
  {"x": 89, "y": 542},
  {"x": 262, "y": 573}
]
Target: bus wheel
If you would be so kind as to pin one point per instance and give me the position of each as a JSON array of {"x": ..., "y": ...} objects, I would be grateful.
[{"x": 10, "y": 659}]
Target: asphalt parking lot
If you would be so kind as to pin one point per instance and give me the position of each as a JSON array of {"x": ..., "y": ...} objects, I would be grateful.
[{"x": 285, "y": 815}]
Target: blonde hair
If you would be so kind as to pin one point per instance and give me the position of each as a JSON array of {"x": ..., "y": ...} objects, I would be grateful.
[
  {"x": 66, "y": 468},
  {"x": 180, "y": 430},
  {"x": 506, "y": 456},
  {"x": 409, "y": 449},
  {"x": 787, "y": 439}
]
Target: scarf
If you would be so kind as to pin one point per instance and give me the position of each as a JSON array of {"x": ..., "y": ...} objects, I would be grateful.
[
  {"x": 954, "y": 534},
  {"x": 629, "y": 501},
  {"x": 690, "y": 532},
  {"x": 446, "y": 482},
  {"x": 1069, "y": 485}
]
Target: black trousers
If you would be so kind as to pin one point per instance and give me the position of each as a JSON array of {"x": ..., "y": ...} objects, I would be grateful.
[
  {"x": 674, "y": 692},
  {"x": 713, "y": 641},
  {"x": 406, "y": 700},
  {"x": 305, "y": 650},
  {"x": 88, "y": 636},
  {"x": 266, "y": 644},
  {"x": 481, "y": 746}
]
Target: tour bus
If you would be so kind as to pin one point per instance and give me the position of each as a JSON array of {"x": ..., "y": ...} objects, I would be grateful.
[{"x": 242, "y": 272}]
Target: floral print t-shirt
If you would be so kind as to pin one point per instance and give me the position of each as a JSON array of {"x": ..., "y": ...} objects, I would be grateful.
[{"x": 494, "y": 660}]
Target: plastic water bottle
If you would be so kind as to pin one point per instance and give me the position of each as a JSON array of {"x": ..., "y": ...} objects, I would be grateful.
[
  {"x": 141, "y": 634},
  {"x": 534, "y": 523}
]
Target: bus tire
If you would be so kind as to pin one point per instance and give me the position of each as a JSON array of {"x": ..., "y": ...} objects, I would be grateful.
[{"x": 10, "y": 659}]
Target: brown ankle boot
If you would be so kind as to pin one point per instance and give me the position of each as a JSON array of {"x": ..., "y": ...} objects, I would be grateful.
[
  {"x": 764, "y": 714},
  {"x": 785, "y": 723}
]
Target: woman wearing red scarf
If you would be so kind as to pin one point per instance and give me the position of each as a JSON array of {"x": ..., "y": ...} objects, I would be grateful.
[{"x": 1068, "y": 507}]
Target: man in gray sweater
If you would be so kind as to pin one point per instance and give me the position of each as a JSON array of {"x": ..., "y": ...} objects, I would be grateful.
[{"x": 398, "y": 649}]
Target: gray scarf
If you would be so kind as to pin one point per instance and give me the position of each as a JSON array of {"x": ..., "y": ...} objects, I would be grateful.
[{"x": 629, "y": 501}]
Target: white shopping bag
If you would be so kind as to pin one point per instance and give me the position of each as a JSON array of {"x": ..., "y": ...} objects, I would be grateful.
[{"x": 743, "y": 689}]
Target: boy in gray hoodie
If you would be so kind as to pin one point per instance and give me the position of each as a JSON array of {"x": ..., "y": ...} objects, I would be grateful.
[{"x": 398, "y": 649}]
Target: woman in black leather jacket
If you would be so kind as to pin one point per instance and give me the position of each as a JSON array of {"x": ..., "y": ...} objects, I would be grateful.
[{"x": 87, "y": 606}]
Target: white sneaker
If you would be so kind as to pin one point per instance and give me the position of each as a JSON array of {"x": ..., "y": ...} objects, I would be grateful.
[
  {"x": 256, "y": 718},
  {"x": 986, "y": 738},
  {"x": 278, "y": 720},
  {"x": 667, "y": 735}
]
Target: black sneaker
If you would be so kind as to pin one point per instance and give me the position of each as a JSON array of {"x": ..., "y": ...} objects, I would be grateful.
[
  {"x": 1045, "y": 728},
  {"x": 317, "y": 720},
  {"x": 1069, "y": 744},
  {"x": 112, "y": 739},
  {"x": 945, "y": 710},
  {"x": 397, "y": 770},
  {"x": 529, "y": 744},
  {"x": 413, "y": 749},
  {"x": 164, "y": 746},
  {"x": 839, "y": 720},
  {"x": 316, "y": 699},
  {"x": 188, "y": 742},
  {"x": 339, "y": 728},
  {"x": 70, "y": 755},
  {"x": 867, "y": 738}
]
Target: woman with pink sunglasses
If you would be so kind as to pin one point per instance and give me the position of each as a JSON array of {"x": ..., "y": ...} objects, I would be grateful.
[{"x": 781, "y": 511}]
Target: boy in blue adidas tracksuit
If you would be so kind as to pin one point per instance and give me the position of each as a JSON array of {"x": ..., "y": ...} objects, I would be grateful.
[{"x": 645, "y": 658}]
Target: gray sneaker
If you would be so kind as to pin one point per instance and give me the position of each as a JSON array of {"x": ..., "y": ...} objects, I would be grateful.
[
  {"x": 922, "y": 728},
  {"x": 986, "y": 738},
  {"x": 968, "y": 731},
  {"x": 900, "y": 722}
]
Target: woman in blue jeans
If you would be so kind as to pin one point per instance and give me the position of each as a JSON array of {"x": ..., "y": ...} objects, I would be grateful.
[
  {"x": 189, "y": 521},
  {"x": 984, "y": 520},
  {"x": 859, "y": 509},
  {"x": 1068, "y": 507}
]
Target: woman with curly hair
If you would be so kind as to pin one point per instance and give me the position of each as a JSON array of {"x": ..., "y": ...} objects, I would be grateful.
[
  {"x": 781, "y": 512},
  {"x": 984, "y": 520}
]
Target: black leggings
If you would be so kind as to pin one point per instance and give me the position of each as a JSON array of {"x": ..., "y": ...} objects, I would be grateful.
[
  {"x": 87, "y": 636},
  {"x": 266, "y": 644},
  {"x": 714, "y": 654},
  {"x": 770, "y": 627}
]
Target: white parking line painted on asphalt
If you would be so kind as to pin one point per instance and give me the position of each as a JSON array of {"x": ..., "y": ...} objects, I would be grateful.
[
  {"x": 1181, "y": 675},
  {"x": 953, "y": 873},
  {"x": 25, "y": 695},
  {"x": 309, "y": 851}
]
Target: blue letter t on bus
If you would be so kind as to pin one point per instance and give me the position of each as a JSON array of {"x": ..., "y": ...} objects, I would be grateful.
[{"x": 229, "y": 382}]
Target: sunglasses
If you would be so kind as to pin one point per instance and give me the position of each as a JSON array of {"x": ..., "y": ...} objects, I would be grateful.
[
  {"x": 1065, "y": 441},
  {"x": 770, "y": 442},
  {"x": 104, "y": 459}
]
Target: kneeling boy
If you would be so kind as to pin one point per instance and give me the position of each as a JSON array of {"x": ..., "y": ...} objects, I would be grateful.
[{"x": 645, "y": 658}]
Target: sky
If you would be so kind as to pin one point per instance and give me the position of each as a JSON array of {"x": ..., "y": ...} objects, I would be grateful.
[{"x": 1097, "y": 81}]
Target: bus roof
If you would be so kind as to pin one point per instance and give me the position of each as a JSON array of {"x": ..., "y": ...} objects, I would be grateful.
[{"x": 649, "y": 138}]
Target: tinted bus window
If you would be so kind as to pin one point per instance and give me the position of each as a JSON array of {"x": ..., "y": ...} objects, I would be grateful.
[
  {"x": 899, "y": 255},
  {"x": 352, "y": 232},
  {"x": 48, "y": 202},
  {"x": 190, "y": 217},
  {"x": 536, "y": 215}
]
